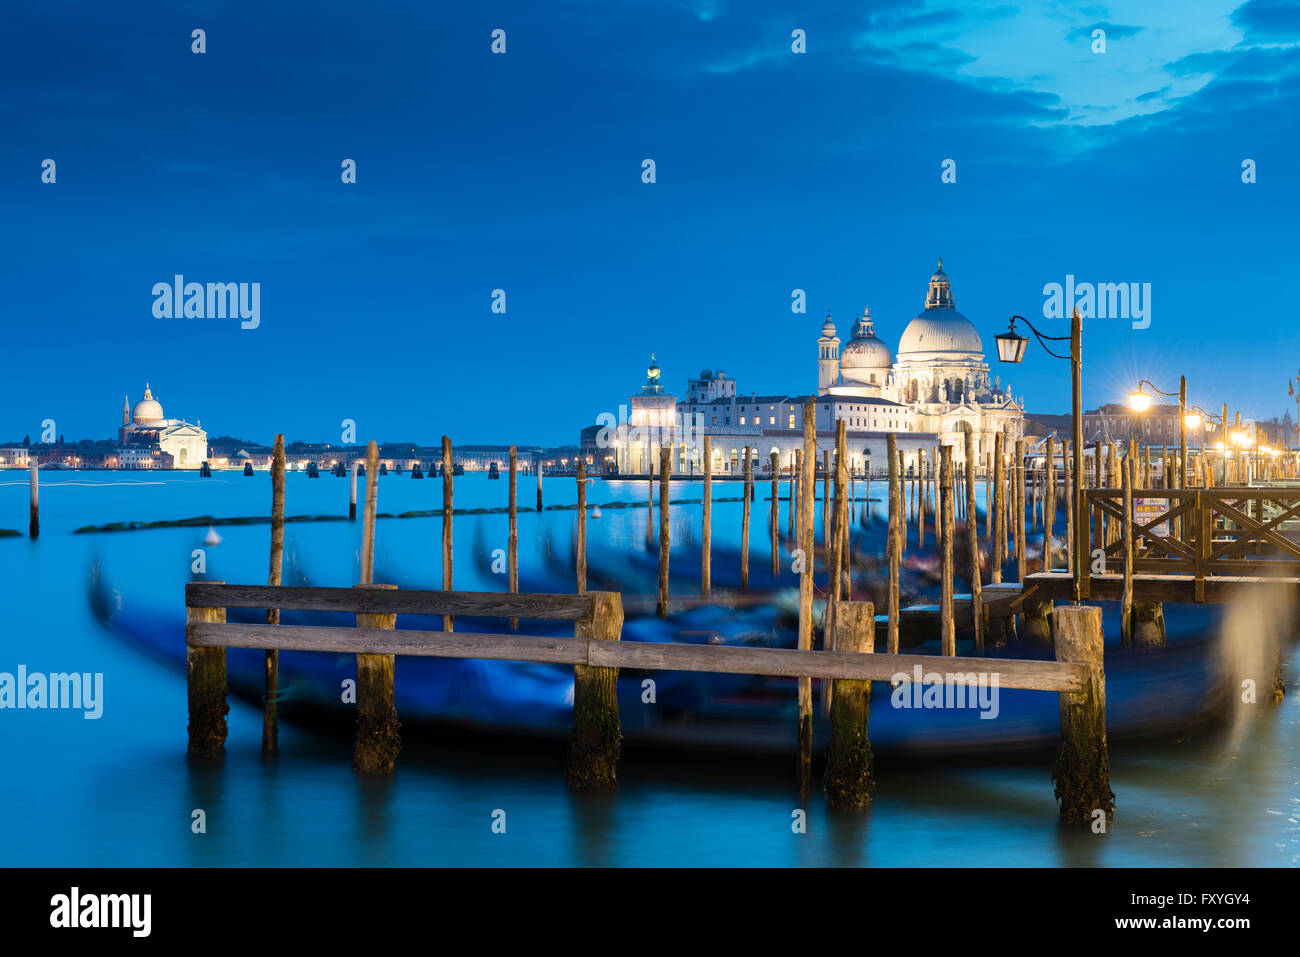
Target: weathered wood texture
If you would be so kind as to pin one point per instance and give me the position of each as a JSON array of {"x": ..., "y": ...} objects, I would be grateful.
[
  {"x": 719, "y": 659},
  {"x": 849, "y": 760},
  {"x": 378, "y": 738},
  {"x": 561, "y": 607},
  {"x": 1082, "y": 774},
  {"x": 205, "y": 668},
  {"x": 597, "y": 736}
]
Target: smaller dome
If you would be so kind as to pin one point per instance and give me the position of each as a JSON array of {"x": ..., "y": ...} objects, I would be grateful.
[
  {"x": 706, "y": 375},
  {"x": 147, "y": 411},
  {"x": 828, "y": 328},
  {"x": 864, "y": 350}
]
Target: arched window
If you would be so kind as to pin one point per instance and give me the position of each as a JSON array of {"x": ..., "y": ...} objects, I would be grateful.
[{"x": 913, "y": 391}]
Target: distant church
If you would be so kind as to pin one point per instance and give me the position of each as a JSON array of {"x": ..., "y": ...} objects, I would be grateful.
[
  {"x": 926, "y": 395},
  {"x": 940, "y": 375},
  {"x": 145, "y": 432}
]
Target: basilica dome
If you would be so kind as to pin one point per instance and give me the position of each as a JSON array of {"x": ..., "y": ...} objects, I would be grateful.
[
  {"x": 940, "y": 327},
  {"x": 865, "y": 350},
  {"x": 148, "y": 410}
]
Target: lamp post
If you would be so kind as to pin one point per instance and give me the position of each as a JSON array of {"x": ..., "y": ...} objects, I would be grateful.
[
  {"x": 1139, "y": 401},
  {"x": 1011, "y": 348}
]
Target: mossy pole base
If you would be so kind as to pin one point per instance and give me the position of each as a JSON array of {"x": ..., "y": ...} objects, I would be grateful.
[
  {"x": 206, "y": 689},
  {"x": 597, "y": 736},
  {"x": 1037, "y": 622},
  {"x": 849, "y": 762},
  {"x": 1148, "y": 624},
  {"x": 378, "y": 730},
  {"x": 1082, "y": 774}
]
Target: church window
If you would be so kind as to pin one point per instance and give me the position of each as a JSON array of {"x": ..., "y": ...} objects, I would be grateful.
[{"x": 742, "y": 420}]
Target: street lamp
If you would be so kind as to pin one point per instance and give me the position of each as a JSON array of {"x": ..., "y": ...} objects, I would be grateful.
[
  {"x": 1011, "y": 348},
  {"x": 1140, "y": 401}
]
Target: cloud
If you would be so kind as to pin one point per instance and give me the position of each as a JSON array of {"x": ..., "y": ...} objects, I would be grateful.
[{"x": 1268, "y": 20}]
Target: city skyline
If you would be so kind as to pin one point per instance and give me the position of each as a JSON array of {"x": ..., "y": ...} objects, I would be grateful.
[{"x": 776, "y": 171}]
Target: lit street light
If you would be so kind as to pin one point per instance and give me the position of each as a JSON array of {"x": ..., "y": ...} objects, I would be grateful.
[
  {"x": 1011, "y": 348},
  {"x": 1140, "y": 401}
]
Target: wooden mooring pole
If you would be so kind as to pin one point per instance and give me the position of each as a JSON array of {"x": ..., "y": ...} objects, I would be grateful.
[
  {"x": 947, "y": 623},
  {"x": 745, "y": 507},
  {"x": 973, "y": 541},
  {"x": 665, "y": 468},
  {"x": 775, "y": 517},
  {"x": 650, "y": 497},
  {"x": 448, "y": 470},
  {"x": 807, "y": 462},
  {"x": 1049, "y": 505},
  {"x": 999, "y": 490},
  {"x": 1021, "y": 518},
  {"x": 894, "y": 545},
  {"x": 205, "y": 686},
  {"x": 1082, "y": 774},
  {"x": 538, "y": 465},
  {"x": 597, "y": 735},
  {"x": 378, "y": 739},
  {"x": 34, "y": 480},
  {"x": 581, "y": 549},
  {"x": 1126, "y": 602},
  {"x": 271, "y": 690},
  {"x": 512, "y": 543},
  {"x": 352, "y": 491},
  {"x": 706, "y": 532},
  {"x": 849, "y": 762}
]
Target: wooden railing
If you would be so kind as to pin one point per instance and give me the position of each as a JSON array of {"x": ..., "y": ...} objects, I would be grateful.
[
  {"x": 595, "y": 652},
  {"x": 1202, "y": 533}
]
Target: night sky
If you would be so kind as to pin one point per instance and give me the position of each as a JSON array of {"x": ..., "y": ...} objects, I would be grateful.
[{"x": 775, "y": 171}]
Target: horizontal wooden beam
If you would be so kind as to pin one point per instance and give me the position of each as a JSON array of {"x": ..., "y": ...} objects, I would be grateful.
[
  {"x": 1219, "y": 589},
  {"x": 376, "y": 641},
  {"x": 391, "y": 602},
  {"x": 645, "y": 656}
]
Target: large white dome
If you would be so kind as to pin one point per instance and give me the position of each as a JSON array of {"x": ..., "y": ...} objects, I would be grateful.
[
  {"x": 148, "y": 410},
  {"x": 940, "y": 327},
  {"x": 940, "y": 330}
]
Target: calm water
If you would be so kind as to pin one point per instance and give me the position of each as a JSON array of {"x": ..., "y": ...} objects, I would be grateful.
[{"x": 118, "y": 791}]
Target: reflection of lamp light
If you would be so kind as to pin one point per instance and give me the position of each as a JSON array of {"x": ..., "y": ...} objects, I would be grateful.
[{"x": 1139, "y": 401}]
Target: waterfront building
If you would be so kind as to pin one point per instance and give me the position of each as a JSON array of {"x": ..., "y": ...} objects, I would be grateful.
[
  {"x": 936, "y": 384},
  {"x": 14, "y": 455},
  {"x": 145, "y": 428}
]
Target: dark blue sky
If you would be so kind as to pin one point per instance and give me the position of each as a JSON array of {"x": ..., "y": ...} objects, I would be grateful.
[{"x": 775, "y": 171}]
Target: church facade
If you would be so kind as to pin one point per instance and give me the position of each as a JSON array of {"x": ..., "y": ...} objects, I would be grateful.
[
  {"x": 926, "y": 394},
  {"x": 147, "y": 438}
]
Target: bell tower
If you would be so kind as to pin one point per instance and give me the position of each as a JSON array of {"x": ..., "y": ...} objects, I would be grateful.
[{"x": 828, "y": 357}]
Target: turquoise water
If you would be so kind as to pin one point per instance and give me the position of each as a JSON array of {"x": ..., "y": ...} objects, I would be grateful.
[{"x": 118, "y": 790}]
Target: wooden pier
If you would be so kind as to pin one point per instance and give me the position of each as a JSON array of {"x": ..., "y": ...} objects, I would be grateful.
[{"x": 1141, "y": 547}]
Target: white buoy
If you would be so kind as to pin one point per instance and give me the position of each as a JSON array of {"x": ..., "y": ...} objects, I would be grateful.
[
  {"x": 595, "y": 511},
  {"x": 212, "y": 538}
]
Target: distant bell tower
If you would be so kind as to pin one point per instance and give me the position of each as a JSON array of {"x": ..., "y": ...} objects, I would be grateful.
[
  {"x": 828, "y": 356},
  {"x": 126, "y": 409}
]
